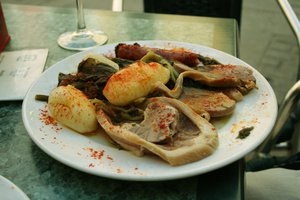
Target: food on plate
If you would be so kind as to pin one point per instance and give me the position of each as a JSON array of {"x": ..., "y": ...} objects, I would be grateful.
[
  {"x": 170, "y": 130},
  {"x": 217, "y": 104},
  {"x": 233, "y": 93},
  {"x": 234, "y": 81},
  {"x": 245, "y": 132},
  {"x": 230, "y": 76},
  {"x": 135, "y": 81},
  {"x": 91, "y": 76},
  {"x": 152, "y": 100},
  {"x": 100, "y": 59},
  {"x": 72, "y": 108},
  {"x": 221, "y": 75},
  {"x": 136, "y": 52}
]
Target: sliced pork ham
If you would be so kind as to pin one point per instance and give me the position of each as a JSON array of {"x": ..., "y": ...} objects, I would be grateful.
[
  {"x": 215, "y": 103},
  {"x": 230, "y": 76},
  {"x": 233, "y": 93},
  {"x": 214, "y": 79},
  {"x": 170, "y": 130},
  {"x": 223, "y": 76}
]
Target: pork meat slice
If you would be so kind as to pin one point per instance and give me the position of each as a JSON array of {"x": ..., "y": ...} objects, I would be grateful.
[
  {"x": 170, "y": 130},
  {"x": 220, "y": 75},
  {"x": 159, "y": 125},
  {"x": 233, "y": 93},
  {"x": 215, "y": 103}
]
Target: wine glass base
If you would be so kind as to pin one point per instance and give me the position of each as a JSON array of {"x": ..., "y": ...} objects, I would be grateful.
[{"x": 82, "y": 40}]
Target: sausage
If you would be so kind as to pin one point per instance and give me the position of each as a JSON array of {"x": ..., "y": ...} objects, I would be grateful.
[{"x": 136, "y": 52}]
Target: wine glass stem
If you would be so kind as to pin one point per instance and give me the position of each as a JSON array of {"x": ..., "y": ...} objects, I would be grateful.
[{"x": 80, "y": 16}]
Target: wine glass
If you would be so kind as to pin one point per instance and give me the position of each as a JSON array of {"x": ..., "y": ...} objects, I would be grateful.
[{"x": 83, "y": 38}]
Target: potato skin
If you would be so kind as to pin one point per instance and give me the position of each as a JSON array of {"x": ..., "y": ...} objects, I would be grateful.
[
  {"x": 72, "y": 108},
  {"x": 135, "y": 81}
]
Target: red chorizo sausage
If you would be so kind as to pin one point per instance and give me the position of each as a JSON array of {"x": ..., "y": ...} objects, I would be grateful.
[{"x": 136, "y": 52}]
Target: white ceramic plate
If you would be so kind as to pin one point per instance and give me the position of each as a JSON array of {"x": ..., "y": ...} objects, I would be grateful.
[
  {"x": 9, "y": 191},
  {"x": 95, "y": 155}
]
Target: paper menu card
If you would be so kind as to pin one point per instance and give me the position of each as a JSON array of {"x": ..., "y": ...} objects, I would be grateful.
[{"x": 18, "y": 70}]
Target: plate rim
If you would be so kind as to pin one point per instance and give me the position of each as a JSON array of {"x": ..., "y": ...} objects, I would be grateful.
[{"x": 21, "y": 194}]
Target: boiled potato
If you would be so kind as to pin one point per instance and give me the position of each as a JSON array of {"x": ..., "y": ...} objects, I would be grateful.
[
  {"x": 72, "y": 108},
  {"x": 135, "y": 81}
]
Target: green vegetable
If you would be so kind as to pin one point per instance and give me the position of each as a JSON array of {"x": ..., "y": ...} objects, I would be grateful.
[
  {"x": 118, "y": 113},
  {"x": 102, "y": 59},
  {"x": 153, "y": 57},
  {"x": 208, "y": 61},
  {"x": 122, "y": 62},
  {"x": 41, "y": 97},
  {"x": 245, "y": 132}
]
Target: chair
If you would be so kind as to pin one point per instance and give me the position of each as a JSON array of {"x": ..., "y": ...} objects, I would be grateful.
[
  {"x": 209, "y": 8},
  {"x": 289, "y": 112},
  {"x": 270, "y": 184}
]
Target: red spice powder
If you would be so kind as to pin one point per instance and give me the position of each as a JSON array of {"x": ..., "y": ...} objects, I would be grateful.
[
  {"x": 119, "y": 170},
  {"x": 91, "y": 165},
  {"x": 154, "y": 65},
  {"x": 109, "y": 157},
  {"x": 48, "y": 120},
  {"x": 96, "y": 154},
  {"x": 263, "y": 103},
  {"x": 162, "y": 125}
]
